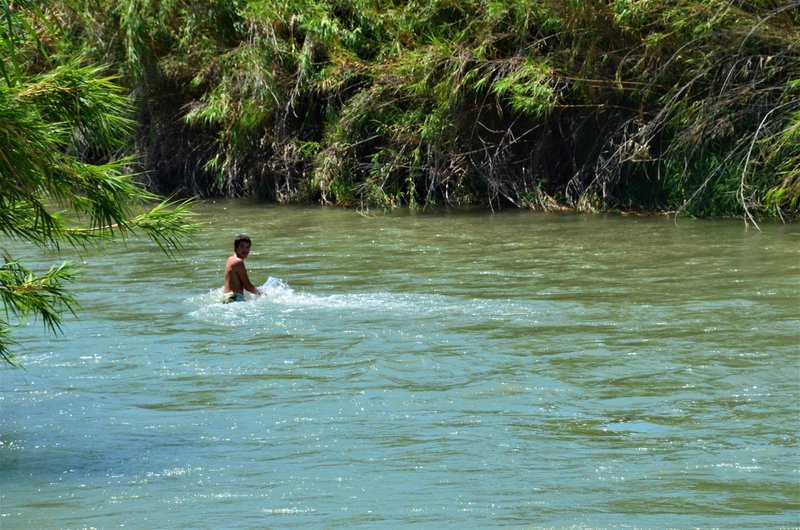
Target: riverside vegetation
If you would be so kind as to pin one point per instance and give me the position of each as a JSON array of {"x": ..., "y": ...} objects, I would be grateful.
[
  {"x": 685, "y": 106},
  {"x": 62, "y": 182}
]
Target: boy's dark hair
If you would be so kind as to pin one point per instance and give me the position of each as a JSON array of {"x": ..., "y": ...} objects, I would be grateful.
[{"x": 241, "y": 238}]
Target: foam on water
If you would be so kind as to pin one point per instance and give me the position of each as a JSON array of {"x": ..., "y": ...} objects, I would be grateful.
[{"x": 280, "y": 298}]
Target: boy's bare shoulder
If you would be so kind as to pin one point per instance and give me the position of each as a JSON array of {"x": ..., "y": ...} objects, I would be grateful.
[{"x": 235, "y": 261}]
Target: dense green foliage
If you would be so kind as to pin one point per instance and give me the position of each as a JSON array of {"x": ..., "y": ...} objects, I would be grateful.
[
  {"x": 685, "y": 106},
  {"x": 61, "y": 124}
]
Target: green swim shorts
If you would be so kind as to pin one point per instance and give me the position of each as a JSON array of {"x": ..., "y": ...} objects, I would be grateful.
[{"x": 227, "y": 298}]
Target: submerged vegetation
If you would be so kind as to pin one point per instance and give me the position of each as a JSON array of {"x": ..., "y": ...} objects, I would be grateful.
[{"x": 690, "y": 106}]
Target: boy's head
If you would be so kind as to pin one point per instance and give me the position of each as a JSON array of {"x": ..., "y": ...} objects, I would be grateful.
[{"x": 241, "y": 238}]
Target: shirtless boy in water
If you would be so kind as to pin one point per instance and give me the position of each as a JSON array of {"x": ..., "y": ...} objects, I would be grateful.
[{"x": 236, "y": 280}]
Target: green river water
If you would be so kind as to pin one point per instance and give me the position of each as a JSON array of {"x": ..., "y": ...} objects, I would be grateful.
[{"x": 432, "y": 370}]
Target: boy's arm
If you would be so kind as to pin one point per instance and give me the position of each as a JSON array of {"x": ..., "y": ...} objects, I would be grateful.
[{"x": 245, "y": 280}]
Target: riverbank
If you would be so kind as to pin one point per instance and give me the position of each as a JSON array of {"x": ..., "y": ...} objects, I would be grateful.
[{"x": 588, "y": 105}]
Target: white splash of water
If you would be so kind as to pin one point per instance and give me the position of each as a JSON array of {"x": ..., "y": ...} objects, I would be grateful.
[{"x": 280, "y": 299}]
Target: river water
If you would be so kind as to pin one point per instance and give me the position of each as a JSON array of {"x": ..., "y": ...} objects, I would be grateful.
[{"x": 438, "y": 370}]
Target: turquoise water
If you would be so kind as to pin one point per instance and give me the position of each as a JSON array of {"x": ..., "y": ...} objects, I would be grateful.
[{"x": 435, "y": 370}]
